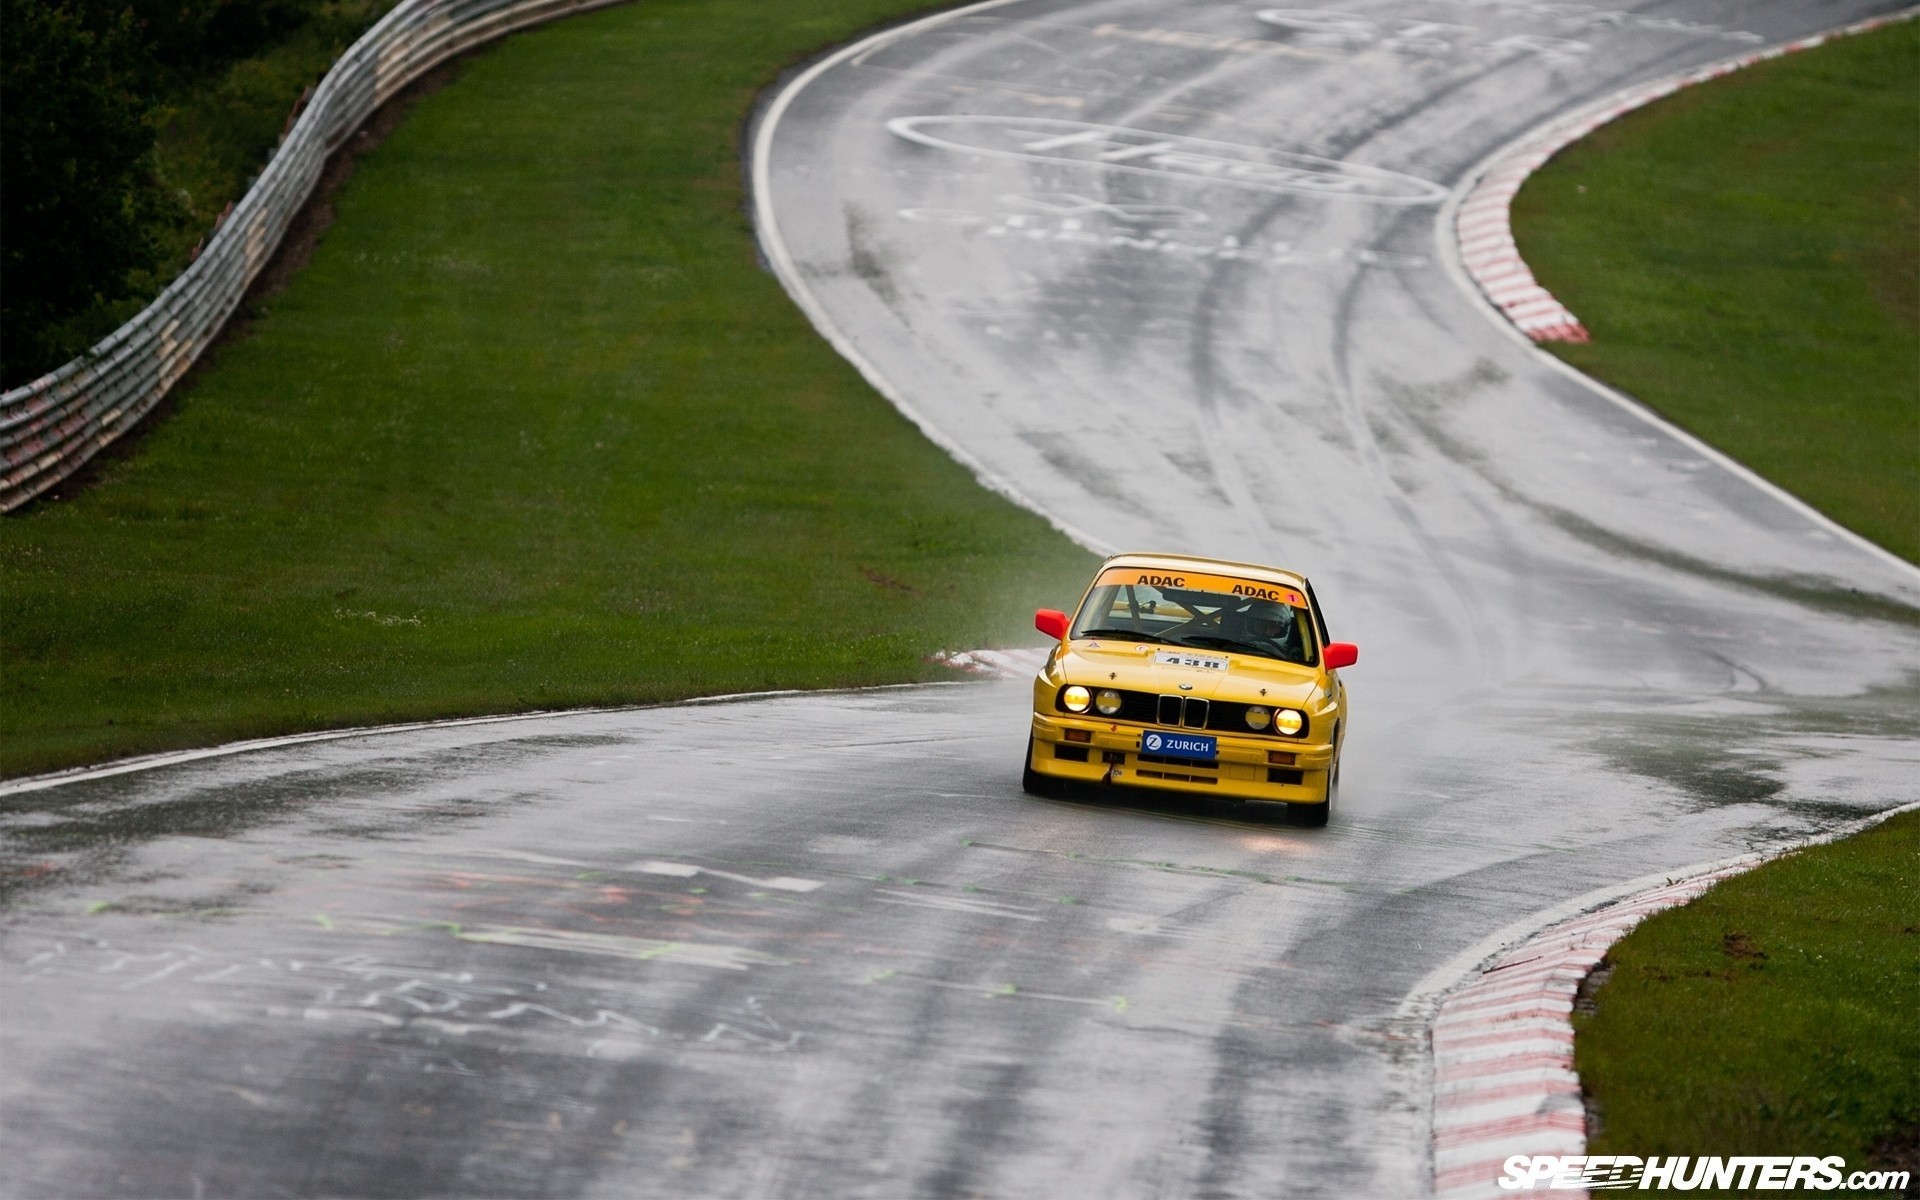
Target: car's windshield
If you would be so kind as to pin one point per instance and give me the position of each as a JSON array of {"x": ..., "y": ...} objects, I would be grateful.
[{"x": 1204, "y": 611}]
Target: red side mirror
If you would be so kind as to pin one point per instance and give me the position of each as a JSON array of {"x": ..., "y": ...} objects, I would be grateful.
[
  {"x": 1051, "y": 622},
  {"x": 1340, "y": 654}
]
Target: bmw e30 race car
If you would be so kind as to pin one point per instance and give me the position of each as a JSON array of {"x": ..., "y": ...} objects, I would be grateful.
[{"x": 1193, "y": 675}]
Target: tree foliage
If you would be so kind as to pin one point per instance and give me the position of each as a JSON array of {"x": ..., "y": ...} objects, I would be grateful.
[
  {"x": 76, "y": 189},
  {"x": 81, "y": 82}
]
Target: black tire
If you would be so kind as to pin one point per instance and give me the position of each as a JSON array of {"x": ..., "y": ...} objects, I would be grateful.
[
  {"x": 1032, "y": 782},
  {"x": 1314, "y": 816},
  {"x": 1309, "y": 816}
]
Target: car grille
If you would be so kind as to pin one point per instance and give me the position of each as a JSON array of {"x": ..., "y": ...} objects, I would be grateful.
[{"x": 1188, "y": 712}]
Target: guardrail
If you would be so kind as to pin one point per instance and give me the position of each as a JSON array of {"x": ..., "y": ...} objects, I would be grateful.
[{"x": 49, "y": 428}]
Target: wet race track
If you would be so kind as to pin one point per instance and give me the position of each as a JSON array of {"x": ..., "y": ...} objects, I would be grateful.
[{"x": 1172, "y": 274}]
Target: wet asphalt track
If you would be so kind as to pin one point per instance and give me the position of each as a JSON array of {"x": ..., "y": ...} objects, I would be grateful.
[{"x": 823, "y": 946}]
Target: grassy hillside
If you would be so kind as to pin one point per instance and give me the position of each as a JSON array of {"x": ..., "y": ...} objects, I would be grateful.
[{"x": 531, "y": 430}]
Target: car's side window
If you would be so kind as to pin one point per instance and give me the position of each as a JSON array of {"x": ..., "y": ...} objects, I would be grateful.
[{"x": 1319, "y": 622}]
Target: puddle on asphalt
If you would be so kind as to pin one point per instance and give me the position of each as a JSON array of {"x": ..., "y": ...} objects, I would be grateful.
[{"x": 1745, "y": 757}]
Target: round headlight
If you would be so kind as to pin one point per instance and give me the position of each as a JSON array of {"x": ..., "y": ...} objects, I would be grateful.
[
  {"x": 1076, "y": 698},
  {"x": 1289, "y": 722},
  {"x": 1258, "y": 717},
  {"x": 1108, "y": 701}
]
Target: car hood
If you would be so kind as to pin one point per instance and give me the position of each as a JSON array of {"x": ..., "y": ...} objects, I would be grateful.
[{"x": 1246, "y": 678}]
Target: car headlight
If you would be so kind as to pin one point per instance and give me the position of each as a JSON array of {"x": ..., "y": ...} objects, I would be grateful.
[
  {"x": 1288, "y": 722},
  {"x": 1075, "y": 699},
  {"x": 1257, "y": 717},
  {"x": 1108, "y": 701}
]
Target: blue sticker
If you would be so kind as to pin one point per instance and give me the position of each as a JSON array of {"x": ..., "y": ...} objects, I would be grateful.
[{"x": 1178, "y": 745}]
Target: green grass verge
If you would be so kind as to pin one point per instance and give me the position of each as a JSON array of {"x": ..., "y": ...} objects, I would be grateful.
[
  {"x": 1746, "y": 255},
  {"x": 531, "y": 430},
  {"x": 1778, "y": 1014}
]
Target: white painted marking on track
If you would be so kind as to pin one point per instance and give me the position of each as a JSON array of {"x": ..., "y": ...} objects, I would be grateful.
[
  {"x": 1168, "y": 156},
  {"x": 728, "y": 958},
  {"x": 1411, "y": 37},
  {"x": 681, "y": 870},
  {"x": 779, "y": 883},
  {"x": 546, "y": 860},
  {"x": 1105, "y": 227},
  {"x": 986, "y": 908}
]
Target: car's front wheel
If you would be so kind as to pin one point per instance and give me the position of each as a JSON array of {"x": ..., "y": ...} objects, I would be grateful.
[
  {"x": 1314, "y": 816},
  {"x": 1032, "y": 782}
]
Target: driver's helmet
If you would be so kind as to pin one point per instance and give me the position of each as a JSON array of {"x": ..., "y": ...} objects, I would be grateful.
[{"x": 1267, "y": 620}]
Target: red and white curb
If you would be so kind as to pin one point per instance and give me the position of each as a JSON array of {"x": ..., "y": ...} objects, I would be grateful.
[
  {"x": 1503, "y": 1078},
  {"x": 1501, "y": 1033},
  {"x": 1021, "y": 663},
  {"x": 1482, "y": 224}
]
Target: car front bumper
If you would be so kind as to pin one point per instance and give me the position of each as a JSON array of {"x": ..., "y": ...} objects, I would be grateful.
[{"x": 1243, "y": 769}]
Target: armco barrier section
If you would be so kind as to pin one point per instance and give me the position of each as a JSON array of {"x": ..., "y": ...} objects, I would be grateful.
[{"x": 50, "y": 427}]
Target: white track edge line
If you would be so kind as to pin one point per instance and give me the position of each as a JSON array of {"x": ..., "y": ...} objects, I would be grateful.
[
  {"x": 1446, "y": 236},
  {"x": 767, "y": 227},
  {"x": 169, "y": 758}
]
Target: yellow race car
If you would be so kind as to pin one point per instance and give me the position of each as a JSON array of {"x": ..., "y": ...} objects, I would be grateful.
[{"x": 1193, "y": 675}]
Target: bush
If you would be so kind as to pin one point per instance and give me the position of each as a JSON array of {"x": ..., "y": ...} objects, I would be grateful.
[
  {"x": 86, "y": 222},
  {"x": 76, "y": 151}
]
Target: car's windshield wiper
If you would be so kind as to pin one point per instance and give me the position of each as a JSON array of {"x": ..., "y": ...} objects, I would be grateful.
[{"x": 1132, "y": 635}]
